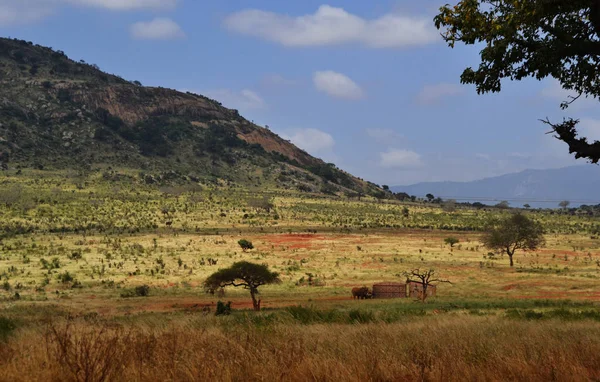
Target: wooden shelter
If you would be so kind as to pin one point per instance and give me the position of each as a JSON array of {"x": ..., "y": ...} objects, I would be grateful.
[{"x": 389, "y": 290}]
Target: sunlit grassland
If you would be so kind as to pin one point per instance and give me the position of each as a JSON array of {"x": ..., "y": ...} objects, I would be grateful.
[
  {"x": 79, "y": 237},
  {"x": 75, "y": 246}
]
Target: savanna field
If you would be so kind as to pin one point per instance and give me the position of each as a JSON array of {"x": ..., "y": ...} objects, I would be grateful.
[{"x": 102, "y": 279}]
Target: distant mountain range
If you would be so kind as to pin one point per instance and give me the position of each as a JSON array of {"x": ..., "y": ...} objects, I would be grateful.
[{"x": 538, "y": 188}]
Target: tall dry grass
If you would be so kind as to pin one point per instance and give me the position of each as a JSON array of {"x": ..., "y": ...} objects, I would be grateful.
[{"x": 453, "y": 348}]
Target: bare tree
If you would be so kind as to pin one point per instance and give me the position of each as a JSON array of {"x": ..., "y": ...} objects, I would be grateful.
[
  {"x": 425, "y": 277},
  {"x": 564, "y": 204}
]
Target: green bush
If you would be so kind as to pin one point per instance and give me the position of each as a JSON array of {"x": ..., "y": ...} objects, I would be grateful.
[
  {"x": 139, "y": 291},
  {"x": 223, "y": 309},
  {"x": 245, "y": 244},
  {"x": 7, "y": 326}
]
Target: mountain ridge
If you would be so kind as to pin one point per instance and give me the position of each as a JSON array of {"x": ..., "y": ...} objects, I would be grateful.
[
  {"x": 58, "y": 113},
  {"x": 538, "y": 188}
]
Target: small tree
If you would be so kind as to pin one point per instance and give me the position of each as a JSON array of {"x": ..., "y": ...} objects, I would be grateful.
[
  {"x": 514, "y": 233},
  {"x": 503, "y": 205},
  {"x": 425, "y": 277},
  {"x": 451, "y": 241},
  {"x": 245, "y": 244},
  {"x": 243, "y": 274},
  {"x": 526, "y": 206},
  {"x": 430, "y": 197},
  {"x": 449, "y": 205},
  {"x": 564, "y": 204}
]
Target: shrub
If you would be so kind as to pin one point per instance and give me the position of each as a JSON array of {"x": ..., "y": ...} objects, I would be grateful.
[
  {"x": 223, "y": 309},
  {"x": 451, "y": 241},
  {"x": 139, "y": 291},
  {"x": 65, "y": 277},
  {"x": 142, "y": 290},
  {"x": 245, "y": 244},
  {"x": 7, "y": 326}
]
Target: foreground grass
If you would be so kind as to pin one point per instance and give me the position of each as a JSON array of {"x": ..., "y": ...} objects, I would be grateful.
[{"x": 276, "y": 346}]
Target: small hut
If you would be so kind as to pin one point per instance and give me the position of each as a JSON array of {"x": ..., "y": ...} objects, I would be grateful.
[
  {"x": 389, "y": 290},
  {"x": 415, "y": 289}
]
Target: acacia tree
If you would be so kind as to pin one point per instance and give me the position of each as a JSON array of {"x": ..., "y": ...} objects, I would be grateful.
[
  {"x": 425, "y": 277},
  {"x": 451, "y": 241},
  {"x": 564, "y": 204},
  {"x": 243, "y": 274},
  {"x": 533, "y": 38},
  {"x": 514, "y": 233}
]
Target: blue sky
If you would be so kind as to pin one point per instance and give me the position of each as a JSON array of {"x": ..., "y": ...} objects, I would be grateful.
[{"x": 369, "y": 86}]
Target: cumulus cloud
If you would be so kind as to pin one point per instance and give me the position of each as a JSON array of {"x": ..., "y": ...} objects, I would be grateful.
[
  {"x": 333, "y": 26},
  {"x": 27, "y": 11},
  {"x": 241, "y": 100},
  {"x": 400, "y": 159},
  {"x": 431, "y": 94},
  {"x": 157, "y": 29},
  {"x": 311, "y": 140},
  {"x": 337, "y": 85}
]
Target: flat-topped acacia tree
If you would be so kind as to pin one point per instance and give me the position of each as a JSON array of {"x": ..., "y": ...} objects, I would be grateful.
[
  {"x": 243, "y": 274},
  {"x": 514, "y": 233}
]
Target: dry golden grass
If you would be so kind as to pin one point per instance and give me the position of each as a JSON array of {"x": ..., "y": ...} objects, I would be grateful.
[{"x": 450, "y": 348}]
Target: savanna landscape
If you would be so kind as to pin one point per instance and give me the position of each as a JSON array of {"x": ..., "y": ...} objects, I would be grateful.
[
  {"x": 105, "y": 280},
  {"x": 151, "y": 234}
]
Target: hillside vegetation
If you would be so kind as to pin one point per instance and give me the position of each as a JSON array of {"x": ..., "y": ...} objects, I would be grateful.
[{"x": 58, "y": 113}]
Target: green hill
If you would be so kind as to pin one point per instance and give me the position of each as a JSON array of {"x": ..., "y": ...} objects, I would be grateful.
[{"x": 56, "y": 113}]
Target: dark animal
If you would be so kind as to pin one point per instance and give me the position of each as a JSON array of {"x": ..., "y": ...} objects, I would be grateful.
[{"x": 361, "y": 293}]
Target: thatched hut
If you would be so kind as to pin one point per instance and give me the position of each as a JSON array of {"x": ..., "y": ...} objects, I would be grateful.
[{"x": 389, "y": 290}]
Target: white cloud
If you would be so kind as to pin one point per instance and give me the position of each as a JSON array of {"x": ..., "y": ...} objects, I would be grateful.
[
  {"x": 157, "y": 29},
  {"x": 431, "y": 94},
  {"x": 483, "y": 156},
  {"x": 243, "y": 100},
  {"x": 334, "y": 26},
  {"x": 384, "y": 135},
  {"x": 400, "y": 159},
  {"x": 311, "y": 140},
  {"x": 337, "y": 85},
  {"x": 124, "y": 5},
  {"x": 22, "y": 12},
  {"x": 27, "y": 11}
]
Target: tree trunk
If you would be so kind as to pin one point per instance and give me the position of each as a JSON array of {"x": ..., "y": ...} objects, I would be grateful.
[
  {"x": 510, "y": 256},
  {"x": 255, "y": 302}
]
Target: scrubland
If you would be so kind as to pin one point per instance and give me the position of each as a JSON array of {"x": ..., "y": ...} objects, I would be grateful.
[{"x": 75, "y": 249}]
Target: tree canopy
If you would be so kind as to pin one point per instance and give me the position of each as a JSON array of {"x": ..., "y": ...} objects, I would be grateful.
[
  {"x": 243, "y": 274},
  {"x": 534, "y": 38},
  {"x": 514, "y": 233}
]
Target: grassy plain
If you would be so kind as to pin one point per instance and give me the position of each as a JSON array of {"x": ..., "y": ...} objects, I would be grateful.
[{"x": 74, "y": 246}]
